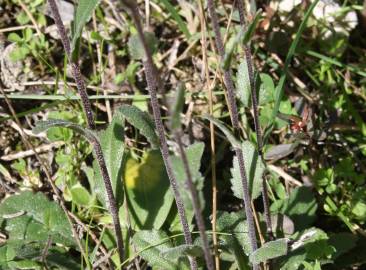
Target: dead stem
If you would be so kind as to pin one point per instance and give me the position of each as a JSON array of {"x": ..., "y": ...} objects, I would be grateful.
[{"x": 212, "y": 137}]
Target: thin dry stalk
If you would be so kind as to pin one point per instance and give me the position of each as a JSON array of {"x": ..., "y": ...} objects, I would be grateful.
[
  {"x": 30, "y": 16},
  {"x": 212, "y": 136},
  {"x": 235, "y": 122},
  {"x": 152, "y": 83},
  {"x": 101, "y": 71},
  {"x": 90, "y": 121}
]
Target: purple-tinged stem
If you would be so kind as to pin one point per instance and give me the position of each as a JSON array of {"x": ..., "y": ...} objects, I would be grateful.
[
  {"x": 235, "y": 122},
  {"x": 91, "y": 124},
  {"x": 258, "y": 131},
  {"x": 152, "y": 84},
  {"x": 195, "y": 203}
]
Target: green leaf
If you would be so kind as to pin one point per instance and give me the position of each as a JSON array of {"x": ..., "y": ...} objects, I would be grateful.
[
  {"x": 3, "y": 256},
  {"x": 178, "y": 252},
  {"x": 305, "y": 245},
  {"x": 96, "y": 36},
  {"x": 83, "y": 14},
  {"x": 61, "y": 134},
  {"x": 62, "y": 261},
  {"x": 269, "y": 250},
  {"x": 148, "y": 191},
  {"x": 28, "y": 34},
  {"x": 252, "y": 26},
  {"x": 228, "y": 134},
  {"x": 300, "y": 207},
  {"x": 266, "y": 89},
  {"x": 236, "y": 238},
  {"x": 32, "y": 217},
  {"x": 241, "y": 38},
  {"x": 177, "y": 108},
  {"x": 150, "y": 245},
  {"x": 177, "y": 18},
  {"x": 243, "y": 82},
  {"x": 142, "y": 121},
  {"x": 254, "y": 168},
  {"x": 112, "y": 143},
  {"x": 25, "y": 264},
  {"x": 194, "y": 155},
  {"x": 229, "y": 52},
  {"x": 23, "y": 255},
  {"x": 14, "y": 37},
  {"x": 136, "y": 48},
  {"x": 42, "y": 126},
  {"x": 80, "y": 195},
  {"x": 317, "y": 247},
  {"x": 19, "y": 53}
]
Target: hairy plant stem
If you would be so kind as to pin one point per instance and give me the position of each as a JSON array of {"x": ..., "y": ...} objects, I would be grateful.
[
  {"x": 152, "y": 84},
  {"x": 258, "y": 131},
  {"x": 91, "y": 124},
  {"x": 74, "y": 66},
  {"x": 195, "y": 203},
  {"x": 235, "y": 122}
]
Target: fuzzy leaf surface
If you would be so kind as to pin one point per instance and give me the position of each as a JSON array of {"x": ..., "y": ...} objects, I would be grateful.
[
  {"x": 178, "y": 252},
  {"x": 243, "y": 83},
  {"x": 235, "y": 240},
  {"x": 142, "y": 121},
  {"x": 254, "y": 168},
  {"x": 83, "y": 14},
  {"x": 151, "y": 244},
  {"x": 269, "y": 250},
  {"x": 194, "y": 154},
  {"x": 31, "y": 217},
  {"x": 45, "y": 125},
  {"x": 112, "y": 143}
]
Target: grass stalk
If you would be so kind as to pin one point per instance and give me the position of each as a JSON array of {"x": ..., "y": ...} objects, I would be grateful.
[
  {"x": 91, "y": 124},
  {"x": 235, "y": 122},
  {"x": 152, "y": 83}
]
